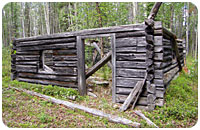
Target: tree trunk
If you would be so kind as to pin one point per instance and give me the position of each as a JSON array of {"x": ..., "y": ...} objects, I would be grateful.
[
  {"x": 46, "y": 14},
  {"x": 187, "y": 29},
  {"x": 172, "y": 16}
]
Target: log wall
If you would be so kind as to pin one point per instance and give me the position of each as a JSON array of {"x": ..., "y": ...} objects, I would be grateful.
[{"x": 60, "y": 56}]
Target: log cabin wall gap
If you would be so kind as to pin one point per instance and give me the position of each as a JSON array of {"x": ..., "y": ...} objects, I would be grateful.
[{"x": 138, "y": 50}]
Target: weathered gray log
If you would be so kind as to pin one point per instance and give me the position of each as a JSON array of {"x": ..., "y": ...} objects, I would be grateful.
[
  {"x": 170, "y": 75},
  {"x": 65, "y": 58},
  {"x": 43, "y": 42},
  {"x": 27, "y": 63},
  {"x": 154, "y": 10},
  {"x": 158, "y": 40},
  {"x": 127, "y": 82},
  {"x": 48, "y": 47},
  {"x": 131, "y": 64},
  {"x": 157, "y": 25},
  {"x": 130, "y": 56},
  {"x": 70, "y": 105},
  {"x": 27, "y": 57},
  {"x": 149, "y": 122},
  {"x": 99, "y": 64},
  {"x": 49, "y": 82},
  {"x": 131, "y": 96},
  {"x": 64, "y": 52},
  {"x": 81, "y": 66},
  {"x": 131, "y": 34},
  {"x": 135, "y": 73},
  {"x": 49, "y": 77},
  {"x": 126, "y": 42},
  {"x": 65, "y": 63},
  {"x": 141, "y": 100},
  {"x": 26, "y": 68},
  {"x": 66, "y": 70},
  {"x": 158, "y": 74}
]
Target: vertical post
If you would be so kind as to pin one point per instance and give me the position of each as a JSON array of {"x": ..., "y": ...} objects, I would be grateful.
[
  {"x": 113, "y": 68},
  {"x": 81, "y": 66}
]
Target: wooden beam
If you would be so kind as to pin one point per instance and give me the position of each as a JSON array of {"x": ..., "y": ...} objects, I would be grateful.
[
  {"x": 174, "y": 45},
  {"x": 99, "y": 64},
  {"x": 81, "y": 66},
  {"x": 92, "y": 111}
]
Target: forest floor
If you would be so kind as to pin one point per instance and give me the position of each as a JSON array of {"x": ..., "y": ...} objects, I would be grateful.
[{"x": 22, "y": 110}]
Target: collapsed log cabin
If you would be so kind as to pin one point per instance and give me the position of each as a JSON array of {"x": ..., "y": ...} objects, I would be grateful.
[{"x": 139, "y": 51}]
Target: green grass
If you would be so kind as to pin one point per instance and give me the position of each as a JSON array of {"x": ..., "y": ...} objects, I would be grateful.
[{"x": 22, "y": 110}]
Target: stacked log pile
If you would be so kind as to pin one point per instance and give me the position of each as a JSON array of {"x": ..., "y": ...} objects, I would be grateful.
[{"x": 32, "y": 53}]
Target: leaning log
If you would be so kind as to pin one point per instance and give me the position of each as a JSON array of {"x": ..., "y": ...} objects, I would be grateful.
[
  {"x": 99, "y": 64},
  {"x": 110, "y": 118}
]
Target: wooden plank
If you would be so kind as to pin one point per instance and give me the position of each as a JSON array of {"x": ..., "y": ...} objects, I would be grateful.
[
  {"x": 158, "y": 74},
  {"x": 131, "y": 96},
  {"x": 48, "y": 47},
  {"x": 85, "y": 109},
  {"x": 81, "y": 66},
  {"x": 27, "y": 52},
  {"x": 99, "y": 64},
  {"x": 65, "y": 70},
  {"x": 43, "y": 42},
  {"x": 135, "y": 73},
  {"x": 27, "y": 63},
  {"x": 126, "y": 49},
  {"x": 113, "y": 46}
]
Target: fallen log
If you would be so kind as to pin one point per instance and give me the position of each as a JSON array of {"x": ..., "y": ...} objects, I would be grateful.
[
  {"x": 149, "y": 122},
  {"x": 110, "y": 118}
]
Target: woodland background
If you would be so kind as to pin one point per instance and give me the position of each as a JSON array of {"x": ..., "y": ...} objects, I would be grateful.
[{"x": 38, "y": 18}]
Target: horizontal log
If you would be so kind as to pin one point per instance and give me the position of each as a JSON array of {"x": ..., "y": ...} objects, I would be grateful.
[
  {"x": 126, "y": 49},
  {"x": 127, "y": 82},
  {"x": 27, "y": 57},
  {"x": 66, "y": 70},
  {"x": 131, "y": 56},
  {"x": 65, "y": 63},
  {"x": 43, "y": 42},
  {"x": 170, "y": 67},
  {"x": 49, "y": 82},
  {"x": 158, "y": 64},
  {"x": 158, "y": 32},
  {"x": 48, "y": 77},
  {"x": 149, "y": 38},
  {"x": 170, "y": 75},
  {"x": 27, "y": 52},
  {"x": 131, "y": 64},
  {"x": 26, "y": 68},
  {"x": 64, "y": 52},
  {"x": 158, "y": 82},
  {"x": 141, "y": 100},
  {"x": 158, "y": 56},
  {"x": 131, "y": 34},
  {"x": 135, "y": 73},
  {"x": 48, "y": 47},
  {"x": 126, "y": 42},
  {"x": 158, "y": 25},
  {"x": 65, "y": 58},
  {"x": 27, "y": 63}
]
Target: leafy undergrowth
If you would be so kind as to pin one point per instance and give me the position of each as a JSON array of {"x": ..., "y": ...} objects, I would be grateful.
[{"x": 22, "y": 110}]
